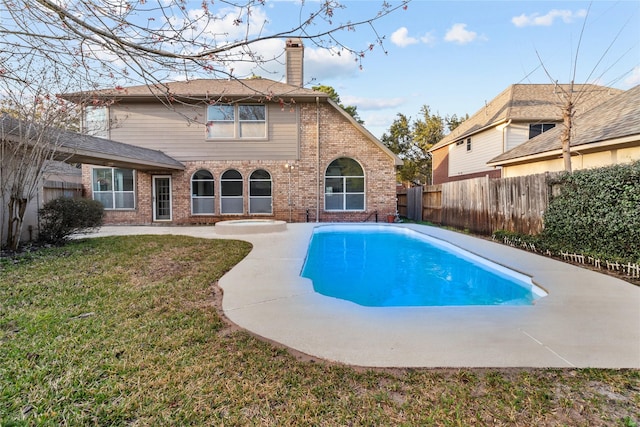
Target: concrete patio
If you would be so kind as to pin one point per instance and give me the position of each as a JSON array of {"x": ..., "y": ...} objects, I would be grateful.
[{"x": 587, "y": 320}]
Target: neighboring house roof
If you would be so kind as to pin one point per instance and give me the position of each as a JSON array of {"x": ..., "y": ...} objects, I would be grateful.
[
  {"x": 78, "y": 148},
  {"x": 532, "y": 103},
  {"x": 203, "y": 89},
  {"x": 614, "y": 122}
]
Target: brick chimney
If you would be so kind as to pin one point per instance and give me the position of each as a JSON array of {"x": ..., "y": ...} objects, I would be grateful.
[{"x": 295, "y": 60}]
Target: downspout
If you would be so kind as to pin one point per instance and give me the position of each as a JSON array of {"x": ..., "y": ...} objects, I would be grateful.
[
  {"x": 319, "y": 187},
  {"x": 504, "y": 140}
]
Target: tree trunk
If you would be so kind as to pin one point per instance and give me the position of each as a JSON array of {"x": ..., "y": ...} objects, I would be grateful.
[
  {"x": 17, "y": 208},
  {"x": 567, "y": 113}
]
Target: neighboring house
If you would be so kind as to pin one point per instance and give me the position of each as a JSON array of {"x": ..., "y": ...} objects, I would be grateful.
[
  {"x": 519, "y": 113},
  {"x": 253, "y": 148},
  {"x": 65, "y": 148},
  {"x": 608, "y": 134}
]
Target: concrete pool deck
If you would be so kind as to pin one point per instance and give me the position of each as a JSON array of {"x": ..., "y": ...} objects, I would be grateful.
[{"x": 587, "y": 320}]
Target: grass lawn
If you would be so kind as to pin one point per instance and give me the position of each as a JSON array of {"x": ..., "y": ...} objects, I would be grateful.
[{"x": 126, "y": 331}]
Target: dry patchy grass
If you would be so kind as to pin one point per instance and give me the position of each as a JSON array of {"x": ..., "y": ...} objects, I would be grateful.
[{"x": 127, "y": 331}]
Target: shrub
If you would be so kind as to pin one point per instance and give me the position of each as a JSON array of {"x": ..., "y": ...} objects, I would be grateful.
[
  {"x": 62, "y": 217},
  {"x": 597, "y": 211}
]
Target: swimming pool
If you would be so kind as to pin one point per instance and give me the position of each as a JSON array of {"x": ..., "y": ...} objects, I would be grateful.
[{"x": 387, "y": 266}]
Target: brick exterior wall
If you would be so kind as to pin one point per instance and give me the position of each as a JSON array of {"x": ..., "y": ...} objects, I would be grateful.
[
  {"x": 297, "y": 192},
  {"x": 440, "y": 165}
]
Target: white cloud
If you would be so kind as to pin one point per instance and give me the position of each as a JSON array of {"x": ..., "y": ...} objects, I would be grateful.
[
  {"x": 428, "y": 39},
  {"x": 401, "y": 38},
  {"x": 265, "y": 60},
  {"x": 535, "y": 19},
  {"x": 634, "y": 78},
  {"x": 458, "y": 33},
  {"x": 378, "y": 123},
  {"x": 368, "y": 104},
  {"x": 321, "y": 64}
]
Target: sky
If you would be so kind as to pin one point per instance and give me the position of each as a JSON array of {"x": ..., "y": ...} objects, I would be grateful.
[{"x": 453, "y": 56}]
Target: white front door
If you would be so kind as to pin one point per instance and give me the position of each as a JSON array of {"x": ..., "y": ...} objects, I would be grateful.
[{"x": 162, "y": 198}]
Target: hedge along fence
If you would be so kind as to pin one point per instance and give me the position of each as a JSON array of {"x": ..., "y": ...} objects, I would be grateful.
[
  {"x": 596, "y": 212},
  {"x": 593, "y": 217}
]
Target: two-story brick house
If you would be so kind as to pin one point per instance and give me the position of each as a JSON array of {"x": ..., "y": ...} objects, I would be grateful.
[{"x": 250, "y": 148}]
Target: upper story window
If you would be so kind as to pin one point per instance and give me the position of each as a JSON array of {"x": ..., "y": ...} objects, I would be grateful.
[
  {"x": 237, "y": 121},
  {"x": 538, "y": 128},
  {"x": 114, "y": 187},
  {"x": 466, "y": 142},
  {"x": 96, "y": 121}
]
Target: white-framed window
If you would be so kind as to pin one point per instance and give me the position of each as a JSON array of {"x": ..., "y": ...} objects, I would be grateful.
[
  {"x": 260, "y": 192},
  {"x": 236, "y": 121},
  {"x": 468, "y": 144},
  {"x": 231, "y": 195},
  {"x": 536, "y": 129},
  {"x": 114, "y": 187},
  {"x": 344, "y": 186},
  {"x": 202, "y": 193},
  {"x": 96, "y": 121}
]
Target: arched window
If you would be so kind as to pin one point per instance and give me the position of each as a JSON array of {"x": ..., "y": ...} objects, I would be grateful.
[
  {"x": 231, "y": 192},
  {"x": 344, "y": 186},
  {"x": 202, "y": 193},
  {"x": 260, "y": 192}
]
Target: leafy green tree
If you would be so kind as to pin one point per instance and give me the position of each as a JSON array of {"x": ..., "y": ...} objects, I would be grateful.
[
  {"x": 454, "y": 121},
  {"x": 350, "y": 109},
  {"x": 400, "y": 141},
  {"x": 411, "y": 142}
]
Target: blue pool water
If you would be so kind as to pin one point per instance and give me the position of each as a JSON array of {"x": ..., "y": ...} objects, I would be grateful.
[{"x": 386, "y": 266}]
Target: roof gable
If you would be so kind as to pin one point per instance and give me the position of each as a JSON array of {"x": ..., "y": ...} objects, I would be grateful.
[{"x": 528, "y": 102}]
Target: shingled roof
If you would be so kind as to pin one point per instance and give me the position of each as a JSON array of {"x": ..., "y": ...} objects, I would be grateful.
[
  {"x": 204, "y": 89},
  {"x": 528, "y": 103},
  {"x": 616, "y": 121},
  {"x": 77, "y": 148}
]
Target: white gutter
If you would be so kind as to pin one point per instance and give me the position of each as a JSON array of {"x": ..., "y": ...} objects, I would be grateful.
[{"x": 502, "y": 129}]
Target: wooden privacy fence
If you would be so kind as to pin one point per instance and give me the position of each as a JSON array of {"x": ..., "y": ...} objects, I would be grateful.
[
  {"x": 54, "y": 189},
  {"x": 481, "y": 205}
]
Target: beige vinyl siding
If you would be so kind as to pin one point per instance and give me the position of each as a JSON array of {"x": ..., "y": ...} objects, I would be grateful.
[
  {"x": 516, "y": 134},
  {"x": 554, "y": 165},
  {"x": 484, "y": 146},
  {"x": 180, "y": 133},
  {"x": 585, "y": 161}
]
